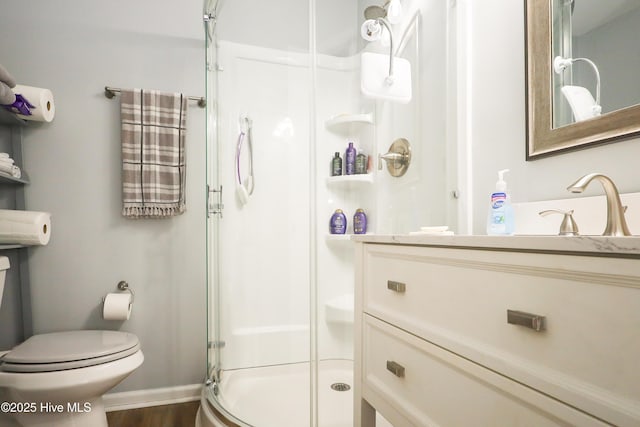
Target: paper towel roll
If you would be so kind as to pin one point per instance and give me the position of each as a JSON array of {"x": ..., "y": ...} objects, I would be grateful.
[
  {"x": 117, "y": 306},
  {"x": 24, "y": 227},
  {"x": 44, "y": 110}
]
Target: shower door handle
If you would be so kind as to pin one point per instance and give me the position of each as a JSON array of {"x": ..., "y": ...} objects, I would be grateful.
[{"x": 214, "y": 201}]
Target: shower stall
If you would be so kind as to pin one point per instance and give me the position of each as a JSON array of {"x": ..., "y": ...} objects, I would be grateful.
[{"x": 283, "y": 89}]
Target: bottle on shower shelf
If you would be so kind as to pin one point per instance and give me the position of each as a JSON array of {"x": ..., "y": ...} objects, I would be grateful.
[
  {"x": 336, "y": 165},
  {"x": 361, "y": 163},
  {"x": 360, "y": 222},
  {"x": 338, "y": 223},
  {"x": 350, "y": 160}
]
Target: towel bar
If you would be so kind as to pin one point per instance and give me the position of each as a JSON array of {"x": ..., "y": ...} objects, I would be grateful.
[{"x": 110, "y": 92}]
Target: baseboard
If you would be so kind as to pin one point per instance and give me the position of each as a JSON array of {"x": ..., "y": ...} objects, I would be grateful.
[{"x": 151, "y": 397}]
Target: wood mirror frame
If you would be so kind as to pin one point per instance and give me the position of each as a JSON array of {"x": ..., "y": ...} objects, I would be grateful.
[{"x": 542, "y": 139}]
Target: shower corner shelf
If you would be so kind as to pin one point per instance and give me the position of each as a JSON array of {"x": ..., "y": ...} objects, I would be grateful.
[
  {"x": 342, "y": 120},
  {"x": 340, "y": 237},
  {"x": 346, "y": 180},
  {"x": 340, "y": 309}
]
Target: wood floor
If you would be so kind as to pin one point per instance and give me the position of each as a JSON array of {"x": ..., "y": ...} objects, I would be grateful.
[{"x": 178, "y": 415}]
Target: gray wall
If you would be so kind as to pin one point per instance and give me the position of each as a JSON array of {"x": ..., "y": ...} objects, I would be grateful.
[
  {"x": 75, "y": 49},
  {"x": 498, "y": 122}
]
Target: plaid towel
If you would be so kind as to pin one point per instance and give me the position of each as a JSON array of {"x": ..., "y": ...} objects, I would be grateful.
[{"x": 153, "y": 153}]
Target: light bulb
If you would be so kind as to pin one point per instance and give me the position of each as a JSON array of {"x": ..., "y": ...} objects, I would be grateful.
[
  {"x": 394, "y": 12},
  {"x": 370, "y": 30},
  {"x": 560, "y": 63}
]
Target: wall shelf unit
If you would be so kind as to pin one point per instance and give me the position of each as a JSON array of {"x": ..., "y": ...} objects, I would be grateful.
[{"x": 17, "y": 300}]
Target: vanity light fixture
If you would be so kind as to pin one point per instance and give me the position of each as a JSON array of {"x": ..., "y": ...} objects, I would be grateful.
[{"x": 580, "y": 99}]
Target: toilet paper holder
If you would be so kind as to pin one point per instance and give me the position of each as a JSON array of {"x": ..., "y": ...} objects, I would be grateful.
[{"x": 124, "y": 286}]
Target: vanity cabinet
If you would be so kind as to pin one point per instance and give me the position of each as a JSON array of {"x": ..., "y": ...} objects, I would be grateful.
[{"x": 452, "y": 335}]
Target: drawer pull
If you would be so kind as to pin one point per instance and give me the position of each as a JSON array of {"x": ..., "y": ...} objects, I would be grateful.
[
  {"x": 396, "y": 286},
  {"x": 528, "y": 320},
  {"x": 395, "y": 368}
]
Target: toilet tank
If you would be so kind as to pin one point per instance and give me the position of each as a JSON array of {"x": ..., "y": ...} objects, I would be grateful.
[{"x": 4, "y": 266}]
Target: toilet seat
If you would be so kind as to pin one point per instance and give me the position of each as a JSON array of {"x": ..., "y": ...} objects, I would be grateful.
[{"x": 60, "y": 351}]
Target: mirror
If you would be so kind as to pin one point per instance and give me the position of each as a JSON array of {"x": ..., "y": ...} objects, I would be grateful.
[{"x": 576, "y": 66}]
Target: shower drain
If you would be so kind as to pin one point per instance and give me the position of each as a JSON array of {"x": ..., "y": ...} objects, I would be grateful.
[{"x": 340, "y": 386}]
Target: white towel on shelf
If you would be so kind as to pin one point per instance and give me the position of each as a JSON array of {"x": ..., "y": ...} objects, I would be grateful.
[
  {"x": 4, "y": 155},
  {"x": 6, "y": 168},
  {"x": 7, "y": 160},
  {"x": 12, "y": 170}
]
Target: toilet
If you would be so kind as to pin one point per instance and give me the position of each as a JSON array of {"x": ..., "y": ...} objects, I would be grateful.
[{"x": 58, "y": 379}]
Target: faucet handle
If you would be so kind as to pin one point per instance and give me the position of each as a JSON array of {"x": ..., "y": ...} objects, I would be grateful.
[{"x": 568, "y": 227}]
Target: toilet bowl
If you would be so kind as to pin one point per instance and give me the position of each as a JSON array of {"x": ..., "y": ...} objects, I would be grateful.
[{"x": 58, "y": 379}]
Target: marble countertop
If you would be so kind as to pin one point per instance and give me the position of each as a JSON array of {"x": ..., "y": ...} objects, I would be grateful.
[{"x": 592, "y": 245}]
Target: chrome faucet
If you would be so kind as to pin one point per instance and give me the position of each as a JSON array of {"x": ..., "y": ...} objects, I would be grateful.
[{"x": 616, "y": 223}]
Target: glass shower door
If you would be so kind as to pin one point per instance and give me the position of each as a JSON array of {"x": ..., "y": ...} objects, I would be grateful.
[{"x": 259, "y": 235}]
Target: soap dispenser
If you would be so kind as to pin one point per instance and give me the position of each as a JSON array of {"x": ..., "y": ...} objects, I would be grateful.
[{"x": 500, "y": 219}]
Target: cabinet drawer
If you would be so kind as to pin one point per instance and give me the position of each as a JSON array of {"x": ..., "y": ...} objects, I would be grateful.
[
  {"x": 414, "y": 383},
  {"x": 587, "y": 355}
]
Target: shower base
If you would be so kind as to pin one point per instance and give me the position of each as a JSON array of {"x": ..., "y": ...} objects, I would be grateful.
[{"x": 278, "y": 396}]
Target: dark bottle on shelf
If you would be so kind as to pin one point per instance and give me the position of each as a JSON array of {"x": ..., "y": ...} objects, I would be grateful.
[{"x": 336, "y": 165}]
